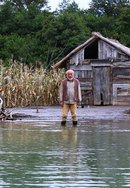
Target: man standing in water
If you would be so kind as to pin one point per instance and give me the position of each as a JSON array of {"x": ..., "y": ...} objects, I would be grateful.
[{"x": 70, "y": 97}]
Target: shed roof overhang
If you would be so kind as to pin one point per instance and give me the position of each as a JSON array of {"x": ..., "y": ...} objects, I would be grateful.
[{"x": 95, "y": 37}]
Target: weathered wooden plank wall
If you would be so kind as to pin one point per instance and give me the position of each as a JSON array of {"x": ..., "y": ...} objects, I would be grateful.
[
  {"x": 106, "y": 51},
  {"x": 121, "y": 94},
  {"x": 77, "y": 58},
  {"x": 121, "y": 83},
  {"x": 113, "y": 85}
]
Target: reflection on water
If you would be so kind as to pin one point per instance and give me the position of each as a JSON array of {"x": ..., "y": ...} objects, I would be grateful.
[{"x": 44, "y": 154}]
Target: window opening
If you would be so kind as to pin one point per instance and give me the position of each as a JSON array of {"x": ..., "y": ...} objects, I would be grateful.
[{"x": 91, "y": 51}]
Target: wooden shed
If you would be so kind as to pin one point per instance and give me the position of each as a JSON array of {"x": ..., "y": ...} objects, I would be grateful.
[{"x": 102, "y": 66}]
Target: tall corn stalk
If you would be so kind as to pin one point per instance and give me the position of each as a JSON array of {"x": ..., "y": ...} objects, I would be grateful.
[{"x": 22, "y": 85}]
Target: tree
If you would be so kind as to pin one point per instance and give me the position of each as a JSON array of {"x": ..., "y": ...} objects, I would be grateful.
[
  {"x": 122, "y": 30},
  {"x": 19, "y": 4},
  {"x": 107, "y": 7},
  {"x": 31, "y": 34},
  {"x": 6, "y": 18},
  {"x": 64, "y": 4},
  {"x": 4, "y": 53}
]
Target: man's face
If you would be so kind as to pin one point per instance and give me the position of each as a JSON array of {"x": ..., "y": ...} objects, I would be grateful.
[{"x": 70, "y": 75}]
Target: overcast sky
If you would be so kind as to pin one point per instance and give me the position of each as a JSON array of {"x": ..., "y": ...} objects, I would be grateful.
[{"x": 82, "y": 4}]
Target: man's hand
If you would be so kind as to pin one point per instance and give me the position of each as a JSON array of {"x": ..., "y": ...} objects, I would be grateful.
[{"x": 62, "y": 104}]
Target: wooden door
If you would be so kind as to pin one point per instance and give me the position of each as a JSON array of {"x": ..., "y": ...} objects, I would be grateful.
[{"x": 101, "y": 85}]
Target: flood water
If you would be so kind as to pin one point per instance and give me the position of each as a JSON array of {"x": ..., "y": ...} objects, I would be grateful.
[{"x": 44, "y": 154}]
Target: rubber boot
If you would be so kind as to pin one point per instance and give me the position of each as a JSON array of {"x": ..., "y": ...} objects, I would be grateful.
[
  {"x": 74, "y": 123},
  {"x": 63, "y": 123}
]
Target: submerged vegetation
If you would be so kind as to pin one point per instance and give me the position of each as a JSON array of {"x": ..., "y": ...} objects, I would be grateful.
[{"x": 21, "y": 86}]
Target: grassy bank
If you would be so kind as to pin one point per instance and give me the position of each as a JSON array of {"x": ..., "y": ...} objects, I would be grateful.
[{"x": 21, "y": 85}]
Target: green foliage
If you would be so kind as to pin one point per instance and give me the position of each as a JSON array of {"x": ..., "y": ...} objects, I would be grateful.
[
  {"x": 6, "y": 19},
  {"x": 31, "y": 35},
  {"x": 22, "y": 49},
  {"x": 4, "y": 54},
  {"x": 123, "y": 26},
  {"x": 20, "y": 4},
  {"x": 109, "y": 7}
]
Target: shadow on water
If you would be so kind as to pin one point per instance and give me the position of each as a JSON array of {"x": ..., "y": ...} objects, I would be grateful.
[{"x": 44, "y": 154}]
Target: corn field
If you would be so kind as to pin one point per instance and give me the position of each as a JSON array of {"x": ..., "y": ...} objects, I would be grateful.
[{"x": 21, "y": 85}]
